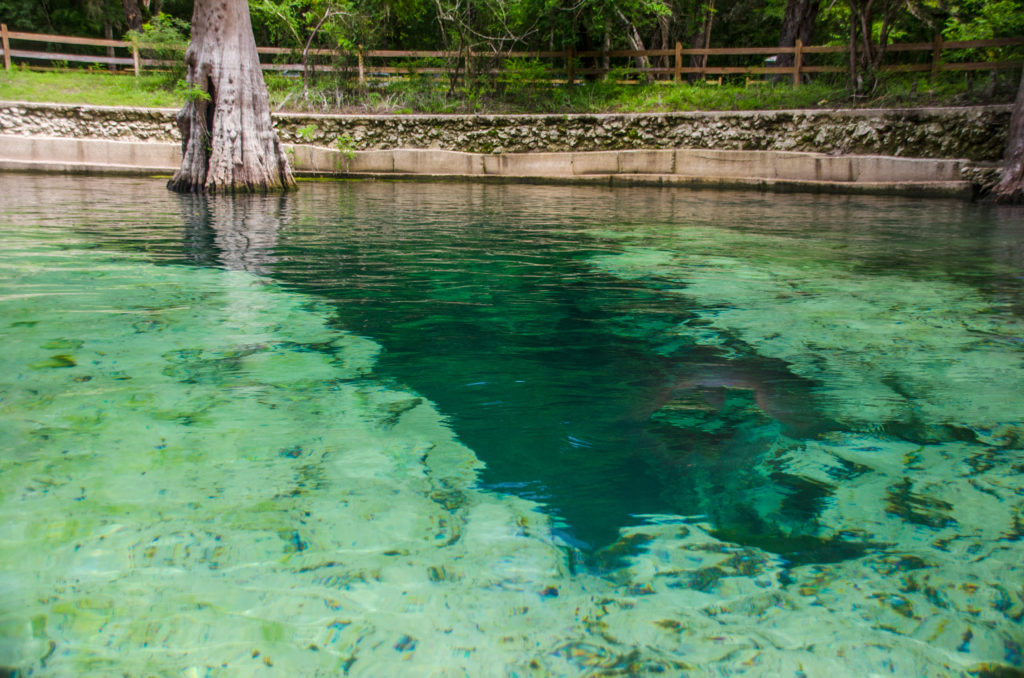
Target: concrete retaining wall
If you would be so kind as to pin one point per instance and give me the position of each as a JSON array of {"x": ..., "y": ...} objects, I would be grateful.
[
  {"x": 940, "y": 151},
  {"x": 768, "y": 170},
  {"x": 87, "y": 155}
]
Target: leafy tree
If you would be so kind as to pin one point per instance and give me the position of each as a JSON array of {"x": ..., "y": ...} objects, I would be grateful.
[
  {"x": 62, "y": 17},
  {"x": 164, "y": 38},
  {"x": 984, "y": 20},
  {"x": 304, "y": 24}
]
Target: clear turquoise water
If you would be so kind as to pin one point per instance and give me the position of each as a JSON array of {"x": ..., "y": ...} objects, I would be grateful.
[{"x": 435, "y": 429}]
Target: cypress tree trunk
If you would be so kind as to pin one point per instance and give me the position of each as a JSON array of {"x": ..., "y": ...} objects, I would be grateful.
[
  {"x": 132, "y": 14},
  {"x": 1011, "y": 189},
  {"x": 228, "y": 141},
  {"x": 702, "y": 40},
  {"x": 799, "y": 21}
]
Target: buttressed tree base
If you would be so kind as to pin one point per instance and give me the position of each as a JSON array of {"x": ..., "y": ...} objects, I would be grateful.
[{"x": 229, "y": 144}]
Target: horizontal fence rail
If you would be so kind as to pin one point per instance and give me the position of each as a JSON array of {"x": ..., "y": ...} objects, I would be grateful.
[{"x": 666, "y": 64}]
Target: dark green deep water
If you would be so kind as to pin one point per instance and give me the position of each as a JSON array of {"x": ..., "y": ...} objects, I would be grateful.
[{"x": 812, "y": 377}]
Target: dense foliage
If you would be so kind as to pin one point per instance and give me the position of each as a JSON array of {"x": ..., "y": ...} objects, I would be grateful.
[
  {"x": 324, "y": 36},
  {"x": 496, "y": 26}
]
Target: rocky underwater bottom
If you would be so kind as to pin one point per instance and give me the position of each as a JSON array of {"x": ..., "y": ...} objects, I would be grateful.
[{"x": 203, "y": 476}]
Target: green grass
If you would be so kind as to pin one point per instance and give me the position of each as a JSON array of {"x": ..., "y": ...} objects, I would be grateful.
[
  {"x": 906, "y": 91},
  {"x": 94, "y": 87},
  {"x": 428, "y": 95},
  {"x": 712, "y": 96},
  {"x": 423, "y": 95}
]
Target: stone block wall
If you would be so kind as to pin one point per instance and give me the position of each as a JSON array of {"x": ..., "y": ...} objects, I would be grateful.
[{"x": 975, "y": 133}]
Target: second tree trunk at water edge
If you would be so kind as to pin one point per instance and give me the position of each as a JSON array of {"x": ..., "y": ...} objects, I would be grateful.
[
  {"x": 228, "y": 140},
  {"x": 1011, "y": 188}
]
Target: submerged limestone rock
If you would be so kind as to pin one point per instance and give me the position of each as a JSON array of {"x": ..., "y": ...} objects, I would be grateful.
[
  {"x": 222, "y": 485},
  {"x": 924, "y": 378}
]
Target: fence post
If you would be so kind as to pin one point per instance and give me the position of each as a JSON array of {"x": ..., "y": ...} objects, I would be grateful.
[
  {"x": 136, "y": 61},
  {"x": 570, "y": 57},
  {"x": 678, "y": 75},
  {"x": 798, "y": 59},
  {"x": 6, "y": 47},
  {"x": 936, "y": 55},
  {"x": 362, "y": 69}
]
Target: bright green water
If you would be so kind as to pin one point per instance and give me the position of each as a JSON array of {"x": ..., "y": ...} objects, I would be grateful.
[{"x": 507, "y": 430}]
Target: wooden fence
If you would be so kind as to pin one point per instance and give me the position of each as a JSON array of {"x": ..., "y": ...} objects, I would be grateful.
[{"x": 675, "y": 63}]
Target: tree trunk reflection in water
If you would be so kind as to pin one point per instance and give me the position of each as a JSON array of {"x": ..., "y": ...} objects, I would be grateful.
[{"x": 238, "y": 232}]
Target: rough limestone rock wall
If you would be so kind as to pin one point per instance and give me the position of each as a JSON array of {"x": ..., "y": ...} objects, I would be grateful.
[
  {"x": 89, "y": 122},
  {"x": 976, "y": 133}
]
